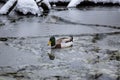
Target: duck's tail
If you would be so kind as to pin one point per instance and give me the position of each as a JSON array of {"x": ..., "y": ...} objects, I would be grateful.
[{"x": 71, "y": 38}]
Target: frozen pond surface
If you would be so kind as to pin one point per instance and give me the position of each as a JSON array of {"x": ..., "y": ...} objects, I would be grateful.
[{"x": 95, "y": 54}]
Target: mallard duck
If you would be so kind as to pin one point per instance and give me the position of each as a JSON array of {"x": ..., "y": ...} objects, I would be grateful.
[{"x": 60, "y": 43}]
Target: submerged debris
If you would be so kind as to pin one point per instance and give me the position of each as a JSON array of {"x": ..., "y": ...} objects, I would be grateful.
[
  {"x": 2, "y": 24},
  {"x": 118, "y": 78},
  {"x": 115, "y": 55},
  {"x": 3, "y": 39},
  {"x": 95, "y": 76},
  {"x": 98, "y": 37}
]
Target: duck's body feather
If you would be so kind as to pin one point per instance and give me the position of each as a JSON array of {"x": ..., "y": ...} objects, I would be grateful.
[{"x": 61, "y": 42}]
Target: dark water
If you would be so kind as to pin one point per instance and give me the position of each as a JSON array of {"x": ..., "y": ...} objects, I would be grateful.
[{"x": 95, "y": 54}]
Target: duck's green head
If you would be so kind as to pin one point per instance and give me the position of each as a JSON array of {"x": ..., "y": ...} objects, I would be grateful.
[{"x": 52, "y": 41}]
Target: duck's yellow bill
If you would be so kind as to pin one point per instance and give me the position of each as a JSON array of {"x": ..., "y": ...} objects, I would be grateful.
[{"x": 49, "y": 43}]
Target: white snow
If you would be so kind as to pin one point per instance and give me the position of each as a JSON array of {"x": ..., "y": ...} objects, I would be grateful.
[
  {"x": 23, "y": 6},
  {"x": 74, "y": 3},
  {"x": 107, "y": 1},
  {"x": 60, "y": 0},
  {"x": 6, "y": 7},
  {"x": 26, "y": 6}
]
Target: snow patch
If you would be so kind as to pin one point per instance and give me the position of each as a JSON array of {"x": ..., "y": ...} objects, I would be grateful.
[
  {"x": 74, "y": 3},
  {"x": 26, "y": 6},
  {"x": 6, "y": 7},
  {"x": 106, "y": 1},
  {"x": 60, "y": 0}
]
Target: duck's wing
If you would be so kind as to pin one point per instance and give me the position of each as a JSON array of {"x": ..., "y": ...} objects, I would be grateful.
[
  {"x": 68, "y": 44},
  {"x": 61, "y": 40},
  {"x": 64, "y": 40}
]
